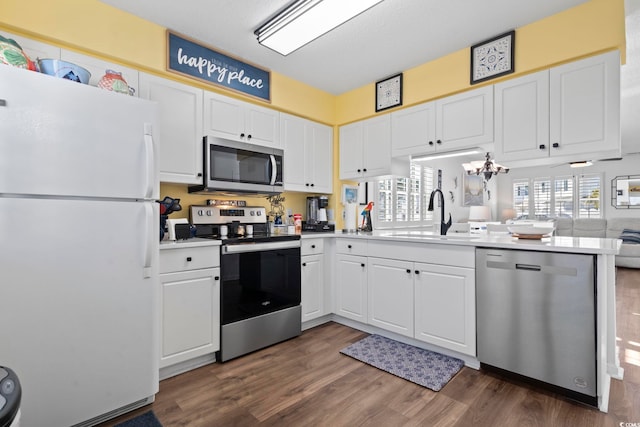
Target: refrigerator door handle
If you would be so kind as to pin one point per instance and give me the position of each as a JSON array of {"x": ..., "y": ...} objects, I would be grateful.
[
  {"x": 148, "y": 242},
  {"x": 150, "y": 160}
]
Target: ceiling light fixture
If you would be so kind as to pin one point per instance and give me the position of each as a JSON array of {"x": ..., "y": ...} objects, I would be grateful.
[
  {"x": 448, "y": 154},
  {"x": 486, "y": 168},
  {"x": 305, "y": 20},
  {"x": 582, "y": 164}
]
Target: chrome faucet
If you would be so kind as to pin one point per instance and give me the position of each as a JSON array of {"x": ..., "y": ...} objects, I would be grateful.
[{"x": 444, "y": 226}]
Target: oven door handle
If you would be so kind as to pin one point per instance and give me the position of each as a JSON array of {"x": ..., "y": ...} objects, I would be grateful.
[{"x": 259, "y": 247}]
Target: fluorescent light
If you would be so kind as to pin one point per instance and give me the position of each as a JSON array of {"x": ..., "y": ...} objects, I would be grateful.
[
  {"x": 448, "y": 154},
  {"x": 306, "y": 20},
  {"x": 580, "y": 164}
]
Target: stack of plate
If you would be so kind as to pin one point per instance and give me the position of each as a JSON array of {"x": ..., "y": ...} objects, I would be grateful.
[{"x": 531, "y": 231}]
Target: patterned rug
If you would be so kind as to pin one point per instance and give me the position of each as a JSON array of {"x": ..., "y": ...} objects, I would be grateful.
[
  {"x": 423, "y": 367},
  {"x": 148, "y": 419}
]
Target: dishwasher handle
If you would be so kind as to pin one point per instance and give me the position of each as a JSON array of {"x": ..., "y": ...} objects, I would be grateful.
[{"x": 529, "y": 267}]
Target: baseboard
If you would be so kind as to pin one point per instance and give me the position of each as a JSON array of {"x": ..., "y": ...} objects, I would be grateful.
[{"x": 187, "y": 365}]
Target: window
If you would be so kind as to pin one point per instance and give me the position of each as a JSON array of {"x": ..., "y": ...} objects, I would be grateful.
[
  {"x": 563, "y": 196},
  {"x": 589, "y": 196},
  {"x": 558, "y": 197},
  {"x": 542, "y": 198},
  {"x": 521, "y": 198},
  {"x": 404, "y": 201}
]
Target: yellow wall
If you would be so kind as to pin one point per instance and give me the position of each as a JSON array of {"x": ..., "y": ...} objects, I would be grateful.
[
  {"x": 584, "y": 30},
  {"x": 95, "y": 28}
]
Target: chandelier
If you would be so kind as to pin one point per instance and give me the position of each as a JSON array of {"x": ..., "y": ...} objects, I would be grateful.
[{"x": 487, "y": 168}]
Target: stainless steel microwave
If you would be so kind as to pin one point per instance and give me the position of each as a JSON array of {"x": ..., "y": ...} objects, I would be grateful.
[{"x": 239, "y": 167}]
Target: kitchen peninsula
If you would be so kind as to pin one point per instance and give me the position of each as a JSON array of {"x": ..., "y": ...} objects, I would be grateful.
[{"x": 380, "y": 284}]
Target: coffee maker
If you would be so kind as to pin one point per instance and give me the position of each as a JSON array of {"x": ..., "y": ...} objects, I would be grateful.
[{"x": 316, "y": 219}]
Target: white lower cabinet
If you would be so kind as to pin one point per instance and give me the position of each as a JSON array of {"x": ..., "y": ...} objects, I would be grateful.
[
  {"x": 313, "y": 278},
  {"x": 190, "y": 303},
  {"x": 390, "y": 295},
  {"x": 445, "y": 313},
  {"x": 312, "y": 287},
  {"x": 351, "y": 287}
]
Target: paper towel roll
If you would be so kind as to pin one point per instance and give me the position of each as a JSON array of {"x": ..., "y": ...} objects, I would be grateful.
[{"x": 351, "y": 217}]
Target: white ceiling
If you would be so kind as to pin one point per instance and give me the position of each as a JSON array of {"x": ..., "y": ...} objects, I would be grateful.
[{"x": 391, "y": 37}]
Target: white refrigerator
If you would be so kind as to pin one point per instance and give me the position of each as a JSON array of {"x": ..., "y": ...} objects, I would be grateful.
[{"x": 79, "y": 232}]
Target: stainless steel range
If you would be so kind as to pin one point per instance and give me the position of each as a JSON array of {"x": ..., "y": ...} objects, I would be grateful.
[{"x": 260, "y": 287}]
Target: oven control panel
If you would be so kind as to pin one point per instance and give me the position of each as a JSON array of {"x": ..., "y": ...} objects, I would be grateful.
[{"x": 224, "y": 214}]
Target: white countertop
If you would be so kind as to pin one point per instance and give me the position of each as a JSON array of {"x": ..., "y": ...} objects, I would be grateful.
[
  {"x": 584, "y": 245},
  {"x": 189, "y": 243}
]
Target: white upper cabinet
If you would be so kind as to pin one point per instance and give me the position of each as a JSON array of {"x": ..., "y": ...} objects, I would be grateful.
[
  {"x": 585, "y": 106},
  {"x": 98, "y": 67},
  {"x": 522, "y": 117},
  {"x": 240, "y": 121},
  {"x": 566, "y": 113},
  {"x": 308, "y": 155},
  {"x": 180, "y": 134},
  {"x": 458, "y": 121},
  {"x": 365, "y": 150}
]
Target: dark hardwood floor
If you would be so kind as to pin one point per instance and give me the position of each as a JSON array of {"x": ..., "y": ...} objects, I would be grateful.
[{"x": 307, "y": 382}]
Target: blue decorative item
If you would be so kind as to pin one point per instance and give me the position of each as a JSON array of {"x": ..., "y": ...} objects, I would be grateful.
[{"x": 168, "y": 205}]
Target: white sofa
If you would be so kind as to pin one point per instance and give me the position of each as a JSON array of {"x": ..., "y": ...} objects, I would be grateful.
[{"x": 629, "y": 255}]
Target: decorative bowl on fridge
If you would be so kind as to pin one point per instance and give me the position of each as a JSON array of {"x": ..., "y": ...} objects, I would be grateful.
[{"x": 64, "y": 70}]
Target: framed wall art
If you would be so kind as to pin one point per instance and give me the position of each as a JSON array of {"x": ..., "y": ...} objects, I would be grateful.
[
  {"x": 493, "y": 58},
  {"x": 389, "y": 92},
  {"x": 349, "y": 194},
  {"x": 472, "y": 190}
]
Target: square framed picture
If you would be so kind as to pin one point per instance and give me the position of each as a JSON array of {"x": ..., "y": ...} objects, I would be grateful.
[
  {"x": 493, "y": 58},
  {"x": 349, "y": 194},
  {"x": 389, "y": 92}
]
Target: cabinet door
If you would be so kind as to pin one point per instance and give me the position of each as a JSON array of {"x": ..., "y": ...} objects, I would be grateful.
[
  {"x": 319, "y": 158},
  {"x": 445, "y": 313},
  {"x": 223, "y": 117},
  {"x": 293, "y": 131},
  {"x": 522, "y": 117},
  {"x": 312, "y": 287},
  {"x": 413, "y": 130},
  {"x": 262, "y": 126},
  {"x": 98, "y": 67},
  {"x": 376, "y": 146},
  {"x": 351, "y": 144},
  {"x": 585, "y": 106},
  {"x": 190, "y": 315},
  {"x": 351, "y": 287},
  {"x": 180, "y": 123},
  {"x": 465, "y": 120},
  {"x": 390, "y": 295}
]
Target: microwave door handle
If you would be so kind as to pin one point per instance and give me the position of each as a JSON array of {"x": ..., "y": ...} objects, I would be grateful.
[{"x": 274, "y": 169}]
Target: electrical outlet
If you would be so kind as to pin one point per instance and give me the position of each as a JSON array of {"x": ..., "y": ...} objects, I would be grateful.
[{"x": 289, "y": 213}]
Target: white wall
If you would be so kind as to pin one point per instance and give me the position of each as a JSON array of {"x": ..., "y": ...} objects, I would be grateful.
[
  {"x": 629, "y": 165},
  {"x": 452, "y": 168}
]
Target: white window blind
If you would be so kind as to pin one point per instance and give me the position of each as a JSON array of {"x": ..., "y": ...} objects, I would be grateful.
[
  {"x": 403, "y": 201},
  {"x": 542, "y": 198},
  {"x": 589, "y": 194},
  {"x": 521, "y": 197},
  {"x": 563, "y": 196}
]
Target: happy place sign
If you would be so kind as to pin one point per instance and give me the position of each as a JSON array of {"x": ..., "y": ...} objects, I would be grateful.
[{"x": 195, "y": 60}]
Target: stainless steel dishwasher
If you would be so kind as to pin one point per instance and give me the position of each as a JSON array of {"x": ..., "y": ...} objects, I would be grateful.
[{"x": 536, "y": 316}]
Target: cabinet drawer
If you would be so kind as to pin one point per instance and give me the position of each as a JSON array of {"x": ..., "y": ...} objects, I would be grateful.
[
  {"x": 312, "y": 246},
  {"x": 351, "y": 246},
  {"x": 183, "y": 259}
]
